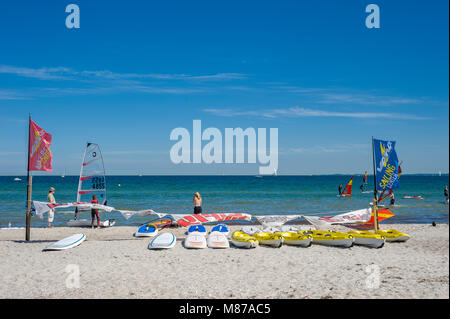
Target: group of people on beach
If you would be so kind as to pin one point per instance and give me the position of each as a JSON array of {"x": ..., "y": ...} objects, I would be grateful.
[
  {"x": 51, "y": 214},
  {"x": 197, "y": 201}
]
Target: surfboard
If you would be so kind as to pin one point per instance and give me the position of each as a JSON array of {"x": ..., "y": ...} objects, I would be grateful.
[
  {"x": 197, "y": 228},
  {"x": 66, "y": 243},
  {"x": 146, "y": 231},
  {"x": 412, "y": 197},
  {"x": 163, "y": 241},
  {"x": 195, "y": 240},
  {"x": 218, "y": 239},
  {"x": 221, "y": 229}
]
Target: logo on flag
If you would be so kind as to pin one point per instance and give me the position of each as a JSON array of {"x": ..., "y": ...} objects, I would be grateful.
[
  {"x": 387, "y": 165},
  {"x": 40, "y": 157}
]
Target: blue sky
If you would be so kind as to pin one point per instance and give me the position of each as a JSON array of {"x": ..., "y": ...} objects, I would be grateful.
[{"x": 136, "y": 70}]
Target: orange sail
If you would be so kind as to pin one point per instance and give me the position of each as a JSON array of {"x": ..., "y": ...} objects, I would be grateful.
[
  {"x": 348, "y": 189},
  {"x": 383, "y": 213}
]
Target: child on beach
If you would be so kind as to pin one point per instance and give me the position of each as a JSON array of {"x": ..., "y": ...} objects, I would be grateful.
[
  {"x": 94, "y": 212},
  {"x": 51, "y": 213},
  {"x": 197, "y": 201},
  {"x": 446, "y": 193}
]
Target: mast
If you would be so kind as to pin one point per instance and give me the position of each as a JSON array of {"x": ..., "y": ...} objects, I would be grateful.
[
  {"x": 375, "y": 192},
  {"x": 29, "y": 186}
]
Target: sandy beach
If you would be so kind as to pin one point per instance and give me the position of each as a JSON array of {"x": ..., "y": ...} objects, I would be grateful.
[{"x": 114, "y": 264}]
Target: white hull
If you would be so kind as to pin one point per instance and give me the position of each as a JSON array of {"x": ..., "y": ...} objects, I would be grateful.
[
  {"x": 370, "y": 242},
  {"x": 303, "y": 243},
  {"x": 218, "y": 240},
  {"x": 272, "y": 243},
  {"x": 244, "y": 244},
  {"x": 67, "y": 243},
  {"x": 347, "y": 243},
  {"x": 195, "y": 240},
  {"x": 87, "y": 223}
]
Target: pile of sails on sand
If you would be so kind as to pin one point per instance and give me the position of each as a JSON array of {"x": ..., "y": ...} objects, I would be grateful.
[{"x": 357, "y": 216}]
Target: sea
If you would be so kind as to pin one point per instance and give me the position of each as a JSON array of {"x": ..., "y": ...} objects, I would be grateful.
[{"x": 256, "y": 195}]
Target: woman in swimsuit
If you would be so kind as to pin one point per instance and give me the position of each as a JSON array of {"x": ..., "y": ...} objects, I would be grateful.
[{"x": 197, "y": 201}]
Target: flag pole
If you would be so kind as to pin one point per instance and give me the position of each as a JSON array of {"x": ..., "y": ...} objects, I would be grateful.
[
  {"x": 29, "y": 185},
  {"x": 375, "y": 192}
]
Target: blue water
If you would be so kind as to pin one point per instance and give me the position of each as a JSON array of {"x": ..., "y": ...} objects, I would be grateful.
[{"x": 309, "y": 195}]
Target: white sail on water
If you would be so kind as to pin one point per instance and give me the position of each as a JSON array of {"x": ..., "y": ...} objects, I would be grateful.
[{"x": 92, "y": 176}]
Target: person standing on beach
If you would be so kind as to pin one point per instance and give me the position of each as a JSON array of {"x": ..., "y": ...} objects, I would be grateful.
[
  {"x": 94, "y": 212},
  {"x": 197, "y": 201},
  {"x": 51, "y": 213}
]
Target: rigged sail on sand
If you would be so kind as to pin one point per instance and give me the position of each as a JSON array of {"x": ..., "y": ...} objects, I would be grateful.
[
  {"x": 92, "y": 176},
  {"x": 92, "y": 182}
]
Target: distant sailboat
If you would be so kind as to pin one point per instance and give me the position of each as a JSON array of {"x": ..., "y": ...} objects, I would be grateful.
[
  {"x": 64, "y": 174},
  {"x": 17, "y": 179}
]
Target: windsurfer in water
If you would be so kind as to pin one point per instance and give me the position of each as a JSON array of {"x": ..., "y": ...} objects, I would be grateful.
[
  {"x": 51, "y": 213},
  {"x": 392, "y": 198},
  {"x": 340, "y": 189},
  {"x": 446, "y": 193},
  {"x": 94, "y": 212},
  {"x": 197, "y": 201}
]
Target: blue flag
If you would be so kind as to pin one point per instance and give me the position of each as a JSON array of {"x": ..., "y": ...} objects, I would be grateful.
[{"x": 386, "y": 165}]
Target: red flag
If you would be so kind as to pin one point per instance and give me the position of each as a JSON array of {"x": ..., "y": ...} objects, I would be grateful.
[{"x": 40, "y": 157}]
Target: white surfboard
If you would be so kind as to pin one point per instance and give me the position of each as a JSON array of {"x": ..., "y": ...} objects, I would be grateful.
[
  {"x": 163, "y": 241},
  {"x": 146, "y": 231},
  {"x": 218, "y": 239},
  {"x": 66, "y": 243},
  {"x": 195, "y": 240}
]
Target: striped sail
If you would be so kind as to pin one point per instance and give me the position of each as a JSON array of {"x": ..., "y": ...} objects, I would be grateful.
[{"x": 92, "y": 176}]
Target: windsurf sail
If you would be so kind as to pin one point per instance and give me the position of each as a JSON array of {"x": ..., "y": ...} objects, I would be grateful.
[
  {"x": 348, "y": 189},
  {"x": 197, "y": 219},
  {"x": 92, "y": 176},
  {"x": 43, "y": 207},
  {"x": 275, "y": 220},
  {"x": 362, "y": 218}
]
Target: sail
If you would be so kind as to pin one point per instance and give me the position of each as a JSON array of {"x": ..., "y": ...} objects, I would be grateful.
[
  {"x": 92, "y": 176},
  {"x": 348, "y": 189}
]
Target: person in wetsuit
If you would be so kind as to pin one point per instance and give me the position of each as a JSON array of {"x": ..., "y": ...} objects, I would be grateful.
[
  {"x": 197, "y": 201},
  {"x": 340, "y": 189},
  {"x": 94, "y": 212}
]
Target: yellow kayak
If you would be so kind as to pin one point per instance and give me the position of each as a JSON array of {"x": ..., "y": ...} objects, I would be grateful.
[
  {"x": 393, "y": 235},
  {"x": 295, "y": 239},
  {"x": 330, "y": 238},
  {"x": 269, "y": 239},
  {"x": 242, "y": 240},
  {"x": 367, "y": 238}
]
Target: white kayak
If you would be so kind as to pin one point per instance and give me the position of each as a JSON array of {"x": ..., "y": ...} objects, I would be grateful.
[
  {"x": 66, "y": 243},
  {"x": 217, "y": 239},
  {"x": 289, "y": 229},
  {"x": 163, "y": 241},
  {"x": 367, "y": 238},
  {"x": 195, "y": 240},
  {"x": 87, "y": 223}
]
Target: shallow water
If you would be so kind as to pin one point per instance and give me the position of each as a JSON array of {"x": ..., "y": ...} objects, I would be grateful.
[{"x": 309, "y": 195}]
